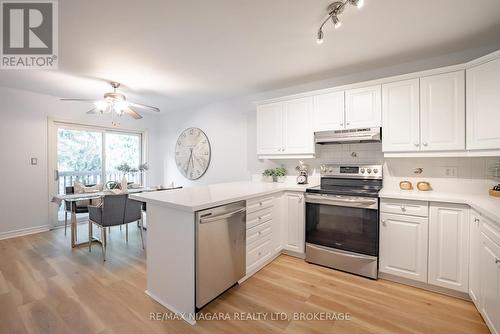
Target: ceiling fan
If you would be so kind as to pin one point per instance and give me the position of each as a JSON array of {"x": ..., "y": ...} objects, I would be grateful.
[{"x": 114, "y": 102}]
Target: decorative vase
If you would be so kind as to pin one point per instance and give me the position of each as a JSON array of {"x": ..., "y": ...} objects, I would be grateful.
[
  {"x": 267, "y": 178},
  {"x": 124, "y": 185}
]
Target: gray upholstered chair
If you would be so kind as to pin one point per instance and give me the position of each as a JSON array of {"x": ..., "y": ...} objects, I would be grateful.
[
  {"x": 111, "y": 212},
  {"x": 133, "y": 213}
]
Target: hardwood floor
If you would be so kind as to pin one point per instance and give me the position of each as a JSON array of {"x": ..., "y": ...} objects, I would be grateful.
[{"x": 45, "y": 287}]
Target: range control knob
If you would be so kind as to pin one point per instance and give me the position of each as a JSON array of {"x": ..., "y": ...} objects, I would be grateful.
[
  {"x": 368, "y": 170},
  {"x": 362, "y": 170},
  {"x": 375, "y": 170}
]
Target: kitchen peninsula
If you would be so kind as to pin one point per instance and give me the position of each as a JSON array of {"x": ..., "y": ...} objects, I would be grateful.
[{"x": 171, "y": 246}]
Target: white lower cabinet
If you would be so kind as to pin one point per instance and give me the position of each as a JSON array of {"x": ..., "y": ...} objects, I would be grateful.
[
  {"x": 294, "y": 220},
  {"x": 403, "y": 246},
  {"x": 449, "y": 246},
  {"x": 489, "y": 268},
  {"x": 474, "y": 257}
]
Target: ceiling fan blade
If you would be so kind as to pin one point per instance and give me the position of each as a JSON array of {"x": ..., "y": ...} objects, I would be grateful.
[
  {"x": 132, "y": 113},
  {"x": 92, "y": 111},
  {"x": 144, "y": 106},
  {"x": 77, "y": 100}
]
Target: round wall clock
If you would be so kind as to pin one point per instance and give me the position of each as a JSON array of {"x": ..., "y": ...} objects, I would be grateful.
[{"x": 192, "y": 153}]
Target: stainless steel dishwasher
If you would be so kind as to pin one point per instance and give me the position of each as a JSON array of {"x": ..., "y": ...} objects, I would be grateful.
[{"x": 220, "y": 250}]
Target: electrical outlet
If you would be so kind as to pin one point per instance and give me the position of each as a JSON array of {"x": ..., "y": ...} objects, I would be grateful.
[{"x": 449, "y": 171}]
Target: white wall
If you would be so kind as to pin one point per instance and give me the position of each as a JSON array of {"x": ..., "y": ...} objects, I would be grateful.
[
  {"x": 23, "y": 134},
  {"x": 231, "y": 128}
]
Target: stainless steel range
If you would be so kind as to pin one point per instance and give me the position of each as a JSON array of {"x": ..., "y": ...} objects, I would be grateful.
[{"x": 342, "y": 219}]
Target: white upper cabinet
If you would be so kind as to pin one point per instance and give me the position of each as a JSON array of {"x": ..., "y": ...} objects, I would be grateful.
[
  {"x": 442, "y": 106},
  {"x": 297, "y": 126},
  {"x": 285, "y": 128},
  {"x": 269, "y": 129},
  {"x": 329, "y": 111},
  {"x": 400, "y": 116},
  {"x": 363, "y": 107},
  {"x": 449, "y": 246},
  {"x": 483, "y": 106}
]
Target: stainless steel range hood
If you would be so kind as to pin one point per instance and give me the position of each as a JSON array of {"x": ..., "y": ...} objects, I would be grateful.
[{"x": 363, "y": 135}]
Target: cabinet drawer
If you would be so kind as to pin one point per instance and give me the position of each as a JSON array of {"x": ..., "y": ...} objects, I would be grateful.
[
  {"x": 263, "y": 250},
  {"x": 405, "y": 207},
  {"x": 490, "y": 230},
  {"x": 259, "y": 204},
  {"x": 257, "y": 233},
  {"x": 259, "y": 217}
]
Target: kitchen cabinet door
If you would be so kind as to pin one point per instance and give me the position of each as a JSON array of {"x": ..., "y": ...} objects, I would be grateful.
[
  {"x": 295, "y": 223},
  {"x": 400, "y": 116},
  {"x": 490, "y": 283},
  {"x": 449, "y": 246},
  {"x": 277, "y": 224},
  {"x": 328, "y": 111},
  {"x": 403, "y": 246},
  {"x": 297, "y": 126},
  {"x": 270, "y": 128},
  {"x": 363, "y": 107},
  {"x": 442, "y": 112},
  {"x": 474, "y": 258},
  {"x": 483, "y": 101}
]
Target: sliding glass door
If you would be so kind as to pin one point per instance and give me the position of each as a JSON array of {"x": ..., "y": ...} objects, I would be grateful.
[{"x": 94, "y": 156}]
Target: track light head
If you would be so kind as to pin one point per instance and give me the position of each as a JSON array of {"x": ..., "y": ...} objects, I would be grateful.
[
  {"x": 357, "y": 3},
  {"x": 319, "y": 38},
  {"x": 336, "y": 22}
]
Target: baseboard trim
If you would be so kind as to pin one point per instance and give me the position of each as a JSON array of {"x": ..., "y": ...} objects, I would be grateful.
[
  {"x": 187, "y": 317},
  {"x": 424, "y": 286},
  {"x": 24, "y": 231}
]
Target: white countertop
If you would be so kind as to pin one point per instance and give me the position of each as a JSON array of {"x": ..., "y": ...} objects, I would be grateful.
[
  {"x": 483, "y": 203},
  {"x": 204, "y": 197}
]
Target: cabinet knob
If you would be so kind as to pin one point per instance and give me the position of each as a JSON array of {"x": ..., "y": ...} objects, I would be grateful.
[
  {"x": 260, "y": 232},
  {"x": 403, "y": 209},
  {"x": 260, "y": 253},
  {"x": 416, "y": 144},
  {"x": 341, "y": 124},
  {"x": 476, "y": 220},
  {"x": 348, "y": 123},
  {"x": 425, "y": 144},
  {"x": 497, "y": 261},
  {"x": 383, "y": 222}
]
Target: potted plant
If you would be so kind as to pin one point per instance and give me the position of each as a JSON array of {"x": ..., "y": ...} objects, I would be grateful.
[
  {"x": 267, "y": 175},
  {"x": 280, "y": 174}
]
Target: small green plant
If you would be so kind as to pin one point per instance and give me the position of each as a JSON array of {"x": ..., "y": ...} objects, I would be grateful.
[
  {"x": 280, "y": 171},
  {"x": 268, "y": 172},
  {"x": 124, "y": 168}
]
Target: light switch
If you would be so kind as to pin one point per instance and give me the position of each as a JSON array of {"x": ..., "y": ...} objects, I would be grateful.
[{"x": 34, "y": 161}]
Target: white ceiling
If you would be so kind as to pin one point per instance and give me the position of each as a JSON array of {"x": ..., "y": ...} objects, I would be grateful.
[{"x": 181, "y": 53}]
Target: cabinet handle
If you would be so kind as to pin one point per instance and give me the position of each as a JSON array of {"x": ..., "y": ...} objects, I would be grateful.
[
  {"x": 476, "y": 220},
  {"x": 497, "y": 261}
]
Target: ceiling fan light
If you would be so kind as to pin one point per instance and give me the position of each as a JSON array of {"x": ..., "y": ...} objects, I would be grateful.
[
  {"x": 319, "y": 38},
  {"x": 100, "y": 105}
]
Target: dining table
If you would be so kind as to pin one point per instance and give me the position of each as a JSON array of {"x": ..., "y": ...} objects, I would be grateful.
[{"x": 96, "y": 195}]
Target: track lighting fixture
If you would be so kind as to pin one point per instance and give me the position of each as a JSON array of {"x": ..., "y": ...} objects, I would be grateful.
[{"x": 334, "y": 10}]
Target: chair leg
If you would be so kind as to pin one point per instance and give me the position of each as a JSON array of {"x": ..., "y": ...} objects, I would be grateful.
[
  {"x": 126, "y": 232},
  {"x": 140, "y": 226},
  {"x": 65, "y": 221},
  {"x": 103, "y": 243}
]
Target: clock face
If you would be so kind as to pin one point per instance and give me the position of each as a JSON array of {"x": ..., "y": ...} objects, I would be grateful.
[{"x": 192, "y": 153}]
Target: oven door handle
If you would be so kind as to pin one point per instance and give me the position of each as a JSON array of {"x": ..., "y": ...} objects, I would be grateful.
[{"x": 349, "y": 202}]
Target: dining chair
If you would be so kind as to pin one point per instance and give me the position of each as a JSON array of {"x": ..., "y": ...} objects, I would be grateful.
[
  {"x": 133, "y": 213},
  {"x": 78, "y": 206},
  {"x": 111, "y": 212}
]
